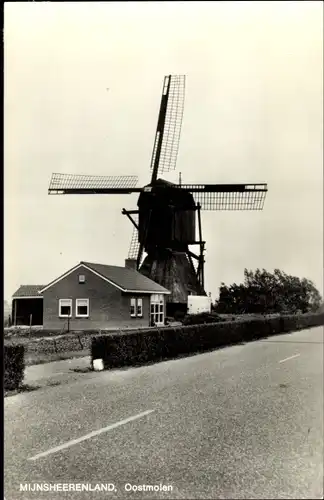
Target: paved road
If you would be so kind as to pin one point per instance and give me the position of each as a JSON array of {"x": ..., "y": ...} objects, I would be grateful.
[{"x": 241, "y": 422}]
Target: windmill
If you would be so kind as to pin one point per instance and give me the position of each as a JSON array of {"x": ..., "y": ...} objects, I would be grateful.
[{"x": 166, "y": 215}]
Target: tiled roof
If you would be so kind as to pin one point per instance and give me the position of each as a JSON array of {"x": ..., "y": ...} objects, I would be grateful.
[
  {"x": 28, "y": 290},
  {"x": 126, "y": 279}
]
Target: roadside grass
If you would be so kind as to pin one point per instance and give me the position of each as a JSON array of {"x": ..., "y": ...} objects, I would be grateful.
[
  {"x": 30, "y": 388},
  {"x": 22, "y": 388},
  {"x": 86, "y": 369},
  {"x": 34, "y": 358}
]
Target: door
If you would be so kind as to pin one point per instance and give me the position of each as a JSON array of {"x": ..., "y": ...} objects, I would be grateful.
[{"x": 157, "y": 310}]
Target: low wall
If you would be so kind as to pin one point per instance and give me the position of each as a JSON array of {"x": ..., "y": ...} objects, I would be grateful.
[{"x": 131, "y": 348}]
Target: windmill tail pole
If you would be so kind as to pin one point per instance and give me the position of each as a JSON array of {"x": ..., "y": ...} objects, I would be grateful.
[{"x": 202, "y": 247}]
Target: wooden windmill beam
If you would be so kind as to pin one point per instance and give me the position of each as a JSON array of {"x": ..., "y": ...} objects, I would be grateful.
[
  {"x": 129, "y": 213},
  {"x": 195, "y": 256},
  {"x": 142, "y": 244},
  {"x": 202, "y": 247},
  {"x": 160, "y": 128}
]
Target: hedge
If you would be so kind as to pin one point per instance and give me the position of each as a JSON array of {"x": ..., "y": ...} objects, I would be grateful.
[
  {"x": 144, "y": 345},
  {"x": 132, "y": 348},
  {"x": 14, "y": 366},
  {"x": 198, "y": 319}
]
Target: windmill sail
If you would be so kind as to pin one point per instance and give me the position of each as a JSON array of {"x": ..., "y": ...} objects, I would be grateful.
[
  {"x": 228, "y": 196},
  {"x": 166, "y": 144},
  {"x": 134, "y": 244},
  {"x": 92, "y": 184}
]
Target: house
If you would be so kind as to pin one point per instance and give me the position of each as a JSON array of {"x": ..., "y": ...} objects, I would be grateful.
[{"x": 96, "y": 296}]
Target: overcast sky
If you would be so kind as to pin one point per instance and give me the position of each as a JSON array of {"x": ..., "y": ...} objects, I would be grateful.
[{"x": 253, "y": 113}]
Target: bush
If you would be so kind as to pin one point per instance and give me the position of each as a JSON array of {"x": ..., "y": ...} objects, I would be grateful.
[
  {"x": 45, "y": 346},
  {"x": 179, "y": 315},
  {"x": 201, "y": 318},
  {"x": 14, "y": 366},
  {"x": 69, "y": 343}
]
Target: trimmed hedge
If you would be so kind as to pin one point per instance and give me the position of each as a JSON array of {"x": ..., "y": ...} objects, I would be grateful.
[
  {"x": 133, "y": 348},
  {"x": 198, "y": 319},
  {"x": 14, "y": 366}
]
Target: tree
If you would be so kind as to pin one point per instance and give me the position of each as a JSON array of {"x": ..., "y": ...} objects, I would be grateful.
[
  {"x": 264, "y": 292},
  {"x": 6, "y": 313}
]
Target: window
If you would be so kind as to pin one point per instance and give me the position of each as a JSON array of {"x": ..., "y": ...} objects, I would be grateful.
[
  {"x": 157, "y": 309},
  {"x": 136, "y": 308},
  {"x": 140, "y": 307},
  {"x": 81, "y": 278},
  {"x": 133, "y": 308},
  {"x": 65, "y": 308},
  {"x": 82, "y": 308}
]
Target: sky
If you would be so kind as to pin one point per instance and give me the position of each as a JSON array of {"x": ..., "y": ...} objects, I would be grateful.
[{"x": 82, "y": 89}]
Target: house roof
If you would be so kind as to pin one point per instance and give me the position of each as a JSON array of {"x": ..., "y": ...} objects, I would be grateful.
[
  {"x": 127, "y": 280},
  {"x": 28, "y": 291}
]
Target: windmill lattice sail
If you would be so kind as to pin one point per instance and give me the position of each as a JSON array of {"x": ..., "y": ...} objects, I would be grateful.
[
  {"x": 134, "y": 244},
  {"x": 228, "y": 196},
  {"x": 92, "y": 184},
  {"x": 167, "y": 138}
]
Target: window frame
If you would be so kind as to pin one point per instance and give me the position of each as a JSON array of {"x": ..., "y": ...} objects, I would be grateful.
[
  {"x": 133, "y": 304},
  {"x": 70, "y": 305},
  {"x": 76, "y": 308},
  {"x": 81, "y": 282},
  {"x": 139, "y": 304}
]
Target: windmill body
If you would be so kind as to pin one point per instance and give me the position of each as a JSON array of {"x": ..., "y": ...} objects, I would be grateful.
[
  {"x": 167, "y": 226},
  {"x": 166, "y": 217},
  {"x": 167, "y": 221}
]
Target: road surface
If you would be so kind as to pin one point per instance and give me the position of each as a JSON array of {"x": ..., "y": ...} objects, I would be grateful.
[{"x": 240, "y": 422}]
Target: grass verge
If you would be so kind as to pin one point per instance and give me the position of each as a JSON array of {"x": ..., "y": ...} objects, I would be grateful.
[
  {"x": 22, "y": 388},
  {"x": 34, "y": 358}
]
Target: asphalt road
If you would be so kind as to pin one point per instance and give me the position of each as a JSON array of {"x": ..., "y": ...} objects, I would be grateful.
[{"x": 241, "y": 422}]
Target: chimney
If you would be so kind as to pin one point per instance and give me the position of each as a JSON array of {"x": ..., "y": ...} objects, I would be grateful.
[{"x": 130, "y": 264}]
